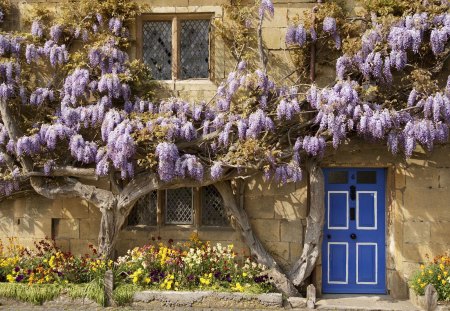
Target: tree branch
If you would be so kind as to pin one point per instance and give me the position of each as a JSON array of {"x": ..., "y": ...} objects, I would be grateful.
[
  {"x": 70, "y": 187},
  {"x": 67, "y": 171}
]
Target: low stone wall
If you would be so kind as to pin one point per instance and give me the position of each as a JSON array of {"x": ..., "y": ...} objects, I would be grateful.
[{"x": 208, "y": 299}]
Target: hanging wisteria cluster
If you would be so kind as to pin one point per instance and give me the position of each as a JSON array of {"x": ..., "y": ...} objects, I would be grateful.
[{"x": 99, "y": 119}]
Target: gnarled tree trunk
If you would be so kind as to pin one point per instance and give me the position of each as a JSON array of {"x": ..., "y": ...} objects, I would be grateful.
[
  {"x": 314, "y": 227},
  {"x": 108, "y": 234},
  {"x": 232, "y": 206}
]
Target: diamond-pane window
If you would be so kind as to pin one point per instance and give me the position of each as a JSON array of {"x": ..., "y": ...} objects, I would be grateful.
[
  {"x": 194, "y": 49},
  {"x": 213, "y": 211},
  {"x": 157, "y": 48},
  {"x": 179, "y": 208},
  {"x": 144, "y": 211}
]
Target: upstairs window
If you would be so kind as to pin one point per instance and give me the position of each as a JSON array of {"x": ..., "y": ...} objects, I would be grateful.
[{"x": 175, "y": 46}]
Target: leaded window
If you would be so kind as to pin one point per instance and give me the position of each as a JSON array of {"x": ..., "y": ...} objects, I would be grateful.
[
  {"x": 194, "y": 48},
  {"x": 213, "y": 211},
  {"x": 144, "y": 212},
  {"x": 157, "y": 48},
  {"x": 179, "y": 206},
  {"x": 176, "y": 46}
]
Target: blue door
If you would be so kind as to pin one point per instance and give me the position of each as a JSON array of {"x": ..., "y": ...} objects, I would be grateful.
[{"x": 353, "y": 249}]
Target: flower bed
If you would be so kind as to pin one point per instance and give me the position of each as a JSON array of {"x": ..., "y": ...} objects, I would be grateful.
[
  {"x": 437, "y": 273},
  {"x": 191, "y": 266}
]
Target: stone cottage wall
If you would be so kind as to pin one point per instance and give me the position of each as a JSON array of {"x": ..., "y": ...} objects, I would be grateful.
[{"x": 418, "y": 196}]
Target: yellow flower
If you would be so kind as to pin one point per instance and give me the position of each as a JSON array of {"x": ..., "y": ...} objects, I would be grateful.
[
  {"x": 147, "y": 280},
  {"x": 430, "y": 271},
  {"x": 10, "y": 278},
  {"x": 441, "y": 266},
  {"x": 238, "y": 287},
  {"x": 439, "y": 277},
  {"x": 422, "y": 267},
  {"x": 445, "y": 273},
  {"x": 51, "y": 262},
  {"x": 169, "y": 285},
  {"x": 244, "y": 274},
  {"x": 422, "y": 285},
  {"x": 444, "y": 282},
  {"x": 418, "y": 280}
]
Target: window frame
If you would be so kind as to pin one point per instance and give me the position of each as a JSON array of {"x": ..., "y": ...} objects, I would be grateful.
[
  {"x": 197, "y": 208},
  {"x": 176, "y": 19}
]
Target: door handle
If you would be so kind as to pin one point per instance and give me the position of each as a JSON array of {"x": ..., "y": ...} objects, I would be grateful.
[{"x": 353, "y": 236}]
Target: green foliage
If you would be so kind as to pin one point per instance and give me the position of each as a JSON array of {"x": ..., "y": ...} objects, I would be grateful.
[
  {"x": 436, "y": 273},
  {"x": 92, "y": 290},
  {"x": 36, "y": 294},
  {"x": 123, "y": 293}
]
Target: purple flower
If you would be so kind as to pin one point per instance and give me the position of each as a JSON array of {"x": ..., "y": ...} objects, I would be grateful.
[
  {"x": 216, "y": 170},
  {"x": 167, "y": 154},
  {"x": 36, "y": 28},
  {"x": 55, "y": 32},
  {"x": 115, "y": 25},
  {"x": 300, "y": 35},
  {"x": 329, "y": 25},
  {"x": 291, "y": 34},
  {"x": 266, "y": 6}
]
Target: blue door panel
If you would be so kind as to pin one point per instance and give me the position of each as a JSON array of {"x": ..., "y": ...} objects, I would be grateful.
[
  {"x": 337, "y": 210},
  {"x": 366, "y": 210},
  {"x": 367, "y": 263},
  {"x": 338, "y": 263},
  {"x": 353, "y": 253}
]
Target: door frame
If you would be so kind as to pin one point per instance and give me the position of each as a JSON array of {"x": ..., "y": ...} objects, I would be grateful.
[{"x": 389, "y": 200}]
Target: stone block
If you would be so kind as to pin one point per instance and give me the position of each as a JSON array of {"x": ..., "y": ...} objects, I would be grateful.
[
  {"x": 32, "y": 227},
  {"x": 409, "y": 268},
  {"x": 174, "y": 232},
  {"x": 272, "y": 38},
  {"x": 63, "y": 244},
  {"x": 292, "y": 207},
  {"x": 89, "y": 228},
  {"x": 212, "y": 234},
  {"x": 81, "y": 246},
  {"x": 279, "y": 66},
  {"x": 295, "y": 251},
  {"x": 444, "y": 178},
  {"x": 291, "y": 231},
  {"x": 422, "y": 252},
  {"x": 397, "y": 285},
  {"x": 75, "y": 208},
  {"x": 213, "y": 3},
  {"x": 400, "y": 178},
  {"x": 416, "y": 231},
  {"x": 421, "y": 177},
  {"x": 440, "y": 232},
  {"x": 167, "y": 4},
  {"x": 267, "y": 230},
  {"x": 280, "y": 251},
  {"x": 279, "y": 18},
  {"x": 66, "y": 228},
  {"x": 258, "y": 207},
  {"x": 257, "y": 186},
  {"x": 426, "y": 204}
]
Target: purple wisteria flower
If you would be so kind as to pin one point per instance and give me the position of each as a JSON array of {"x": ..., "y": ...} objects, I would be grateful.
[
  {"x": 266, "y": 6},
  {"x": 36, "y": 28}
]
